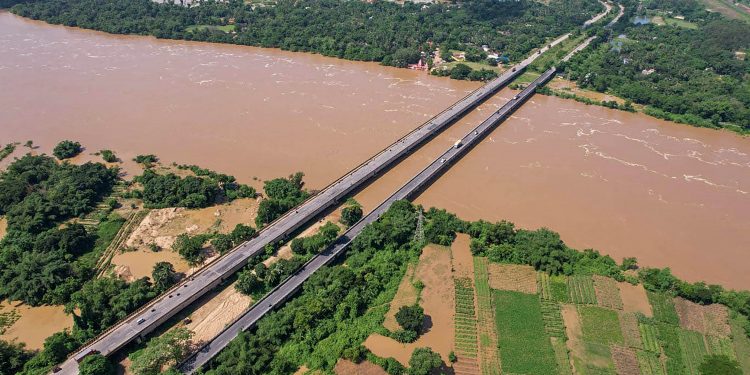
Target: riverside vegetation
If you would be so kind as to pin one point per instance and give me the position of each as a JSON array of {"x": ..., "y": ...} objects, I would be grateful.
[
  {"x": 338, "y": 308},
  {"x": 689, "y": 75}
]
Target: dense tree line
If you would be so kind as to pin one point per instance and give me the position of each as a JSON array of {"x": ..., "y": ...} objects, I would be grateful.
[
  {"x": 384, "y": 31},
  {"x": 680, "y": 74},
  {"x": 38, "y": 258},
  {"x": 282, "y": 194},
  {"x": 170, "y": 190},
  {"x": 330, "y": 315}
]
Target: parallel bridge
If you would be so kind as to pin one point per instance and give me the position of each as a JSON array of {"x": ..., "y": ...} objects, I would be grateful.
[
  {"x": 291, "y": 285},
  {"x": 146, "y": 319}
]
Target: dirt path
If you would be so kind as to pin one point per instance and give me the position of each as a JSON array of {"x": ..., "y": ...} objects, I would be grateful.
[
  {"x": 3, "y": 227},
  {"x": 434, "y": 270},
  {"x": 210, "y": 318}
]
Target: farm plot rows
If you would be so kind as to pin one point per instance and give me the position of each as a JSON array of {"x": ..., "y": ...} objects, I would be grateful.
[
  {"x": 465, "y": 319},
  {"x": 524, "y": 345},
  {"x": 581, "y": 290},
  {"x": 607, "y": 292},
  {"x": 487, "y": 330}
]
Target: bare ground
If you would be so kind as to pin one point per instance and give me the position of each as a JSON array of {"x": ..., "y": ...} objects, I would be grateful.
[
  {"x": 634, "y": 299},
  {"x": 626, "y": 361},
  {"x": 3, "y": 227},
  {"x": 210, "y": 318},
  {"x": 162, "y": 226},
  {"x": 434, "y": 270},
  {"x": 347, "y": 367},
  {"x": 463, "y": 260},
  {"x": 406, "y": 295}
]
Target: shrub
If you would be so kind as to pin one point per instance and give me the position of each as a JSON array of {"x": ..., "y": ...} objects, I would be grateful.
[
  {"x": 67, "y": 149},
  {"x": 108, "y": 156},
  {"x": 410, "y": 318}
]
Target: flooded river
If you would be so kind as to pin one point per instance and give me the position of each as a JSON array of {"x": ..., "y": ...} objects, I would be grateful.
[{"x": 623, "y": 183}]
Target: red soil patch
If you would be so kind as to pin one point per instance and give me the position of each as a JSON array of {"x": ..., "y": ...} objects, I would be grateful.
[
  {"x": 347, "y": 367},
  {"x": 626, "y": 361},
  {"x": 438, "y": 295},
  {"x": 635, "y": 299},
  {"x": 711, "y": 320},
  {"x": 607, "y": 292}
]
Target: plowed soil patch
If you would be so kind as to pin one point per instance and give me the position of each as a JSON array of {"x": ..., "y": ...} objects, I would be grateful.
[
  {"x": 347, "y": 367},
  {"x": 710, "y": 320},
  {"x": 512, "y": 277},
  {"x": 634, "y": 299}
]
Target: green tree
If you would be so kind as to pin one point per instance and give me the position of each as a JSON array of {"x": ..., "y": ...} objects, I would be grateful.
[
  {"x": 248, "y": 283},
  {"x": 12, "y": 357},
  {"x": 190, "y": 248},
  {"x": 166, "y": 349},
  {"x": 163, "y": 275},
  {"x": 423, "y": 361},
  {"x": 719, "y": 365},
  {"x": 351, "y": 215},
  {"x": 96, "y": 364},
  {"x": 67, "y": 149},
  {"x": 411, "y": 317},
  {"x": 222, "y": 243}
]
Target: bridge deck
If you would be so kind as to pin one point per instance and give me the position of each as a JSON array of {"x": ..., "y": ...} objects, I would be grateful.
[
  {"x": 286, "y": 289},
  {"x": 156, "y": 312}
]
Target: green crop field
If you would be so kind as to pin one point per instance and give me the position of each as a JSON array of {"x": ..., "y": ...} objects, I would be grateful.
[
  {"x": 559, "y": 288},
  {"x": 669, "y": 338},
  {"x": 465, "y": 319},
  {"x": 524, "y": 345},
  {"x": 542, "y": 281},
  {"x": 600, "y": 326},
  {"x": 693, "y": 350},
  {"x": 663, "y": 307},
  {"x": 582, "y": 290},
  {"x": 649, "y": 363},
  {"x": 721, "y": 346},
  {"x": 649, "y": 337},
  {"x": 741, "y": 342},
  {"x": 553, "y": 322},
  {"x": 561, "y": 356}
]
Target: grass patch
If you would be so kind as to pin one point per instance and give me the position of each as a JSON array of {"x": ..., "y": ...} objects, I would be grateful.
[
  {"x": 473, "y": 65},
  {"x": 600, "y": 326},
  {"x": 524, "y": 345},
  {"x": 680, "y": 23},
  {"x": 561, "y": 356},
  {"x": 7, "y": 319},
  {"x": 225, "y": 28},
  {"x": 559, "y": 289},
  {"x": 649, "y": 363},
  {"x": 693, "y": 350},
  {"x": 720, "y": 346},
  {"x": 525, "y": 78},
  {"x": 741, "y": 342},
  {"x": 663, "y": 308},
  {"x": 553, "y": 321},
  {"x": 581, "y": 290},
  {"x": 649, "y": 337},
  {"x": 669, "y": 338}
]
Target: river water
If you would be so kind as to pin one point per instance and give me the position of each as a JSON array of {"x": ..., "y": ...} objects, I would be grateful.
[{"x": 626, "y": 184}]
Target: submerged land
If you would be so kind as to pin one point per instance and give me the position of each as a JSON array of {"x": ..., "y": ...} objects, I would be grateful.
[{"x": 101, "y": 227}]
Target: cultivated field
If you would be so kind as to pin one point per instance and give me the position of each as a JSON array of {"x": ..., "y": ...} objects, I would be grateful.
[{"x": 524, "y": 345}]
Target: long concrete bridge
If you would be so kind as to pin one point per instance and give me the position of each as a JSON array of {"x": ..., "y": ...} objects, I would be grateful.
[
  {"x": 146, "y": 319},
  {"x": 291, "y": 285}
]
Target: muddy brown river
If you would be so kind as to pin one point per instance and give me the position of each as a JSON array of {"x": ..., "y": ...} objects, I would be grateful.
[{"x": 626, "y": 184}]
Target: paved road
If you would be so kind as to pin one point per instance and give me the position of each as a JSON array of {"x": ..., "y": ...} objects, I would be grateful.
[
  {"x": 143, "y": 321},
  {"x": 162, "y": 308},
  {"x": 281, "y": 293}
]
